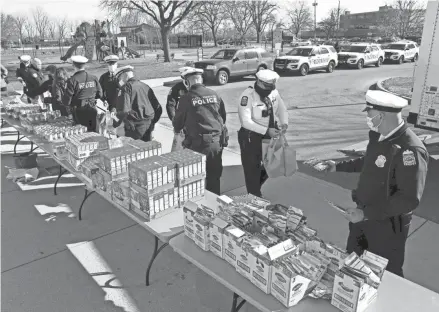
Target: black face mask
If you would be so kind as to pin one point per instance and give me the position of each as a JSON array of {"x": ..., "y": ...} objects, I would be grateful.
[{"x": 263, "y": 93}]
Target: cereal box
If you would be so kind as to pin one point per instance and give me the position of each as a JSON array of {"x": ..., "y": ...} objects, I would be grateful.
[
  {"x": 217, "y": 228},
  {"x": 232, "y": 236},
  {"x": 121, "y": 193},
  {"x": 202, "y": 229},
  {"x": 189, "y": 210}
]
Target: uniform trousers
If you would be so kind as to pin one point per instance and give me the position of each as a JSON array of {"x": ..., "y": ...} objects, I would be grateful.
[
  {"x": 213, "y": 150},
  {"x": 385, "y": 238},
  {"x": 86, "y": 116},
  {"x": 139, "y": 130},
  {"x": 255, "y": 175}
]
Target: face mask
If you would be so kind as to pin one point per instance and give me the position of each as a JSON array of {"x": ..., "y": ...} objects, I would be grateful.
[
  {"x": 369, "y": 121},
  {"x": 112, "y": 68},
  {"x": 262, "y": 92}
]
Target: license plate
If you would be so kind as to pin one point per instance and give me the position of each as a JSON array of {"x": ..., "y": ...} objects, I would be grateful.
[{"x": 342, "y": 62}]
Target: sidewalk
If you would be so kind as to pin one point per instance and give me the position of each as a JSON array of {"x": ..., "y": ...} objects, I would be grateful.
[{"x": 53, "y": 262}]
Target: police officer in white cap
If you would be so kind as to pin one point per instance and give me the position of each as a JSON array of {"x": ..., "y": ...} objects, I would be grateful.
[
  {"x": 81, "y": 93},
  {"x": 391, "y": 183},
  {"x": 28, "y": 74},
  {"x": 176, "y": 92},
  {"x": 202, "y": 114},
  {"x": 108, "y": 81},
  {"x": 263, "y": 114}
]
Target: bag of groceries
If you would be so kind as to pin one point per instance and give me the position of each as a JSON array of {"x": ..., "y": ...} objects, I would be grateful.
[
  {"x": 177, "y": 143},
  {"x": 279, "y": 159}
]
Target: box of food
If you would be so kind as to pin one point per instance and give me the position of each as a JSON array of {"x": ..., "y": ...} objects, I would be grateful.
[
  {"x": 152, "y": 173},
  {"x": 86, "y": 144},
  {"x": 151, "y": 148},
  {"x": 217, "y": 229},
  {"x": 295, "y": 217},
  {"x": 193, "y": 191},
  {"x": 191, "y": 165},
  {"x": 116, "y": 161},
  {"x": 189, "y": 210},
  {"x": 59, "y": 149},
  {"x": 232, "y": 236},
  {"x": 102, "y": 180},
  {"x": 120, "y": 193}
]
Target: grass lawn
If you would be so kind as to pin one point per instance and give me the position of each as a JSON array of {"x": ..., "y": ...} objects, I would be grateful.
[{"x": 399, "y": 85}]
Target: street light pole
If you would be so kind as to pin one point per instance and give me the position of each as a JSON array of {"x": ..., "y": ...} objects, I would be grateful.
[{"x": 315, "y": 19}]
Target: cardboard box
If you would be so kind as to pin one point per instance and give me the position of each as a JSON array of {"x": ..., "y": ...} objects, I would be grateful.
[
  {"x": 287, "y": 286},
  {"x": 121, "y": 193},
  {"x": 242, "y": 254},
  {"x": 202, "y": 232},
  {"x": 217, "y": 229},
  {"x": 189, "y": 210},
  {"x": 232, "y": 236},
  {"x": 351, "y": 295}
]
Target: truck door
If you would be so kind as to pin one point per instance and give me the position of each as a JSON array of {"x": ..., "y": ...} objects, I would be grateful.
[
  {"x": 314, "y": 59},
  {"x": 239, "y": 64},
  {"x": 252, "y": 61}
]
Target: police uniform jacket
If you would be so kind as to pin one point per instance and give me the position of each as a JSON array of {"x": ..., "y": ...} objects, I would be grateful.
[
  {"x": 199, "y": 112},
  {"x": 254, "y": 114},
  {"x": 137, "y": 102},
  {"x": 393, "y": 174},
  {"x": 47, "y": 85},
  {"x": 174, "y": 96},
  {"x": 110, "y": 88},
  {"x": 30, "y": 76},
  {"x": 82, "y": 88}
]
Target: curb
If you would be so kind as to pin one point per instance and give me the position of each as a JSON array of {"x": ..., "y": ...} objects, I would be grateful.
[
  {"x": 159, "y": 82},
  {"x": 381, "y": 88}
]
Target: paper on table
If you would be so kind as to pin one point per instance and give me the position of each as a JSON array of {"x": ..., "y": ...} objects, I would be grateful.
[{"x": 337, "y": 207}]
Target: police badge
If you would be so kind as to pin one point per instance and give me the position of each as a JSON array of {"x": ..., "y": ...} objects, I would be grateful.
[
  {"x": 408, "y": 158},
  {"x": 381, "y": 160}
]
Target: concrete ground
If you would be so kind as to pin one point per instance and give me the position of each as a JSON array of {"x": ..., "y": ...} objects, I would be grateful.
[{"x": 53, "y": 262}]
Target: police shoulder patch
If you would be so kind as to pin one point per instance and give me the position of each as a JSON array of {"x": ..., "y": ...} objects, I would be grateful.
[
  {"x": 244, "y": 101},
  {"x": 35, "y": 75},
  {"x": 408, "y": 158}
]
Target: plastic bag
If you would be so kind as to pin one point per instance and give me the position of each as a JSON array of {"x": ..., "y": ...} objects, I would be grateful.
[
  {"x": 279, "y": 159},
  {"x": 177, "y": 143},
  {"x": 23, "y": 175}
]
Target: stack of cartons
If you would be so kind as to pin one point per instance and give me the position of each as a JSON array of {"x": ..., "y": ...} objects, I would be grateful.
[
  {"x": 191, "y": 174},
  {"x": 84, "y": 145},
  {"x": 152, "y": 182}
]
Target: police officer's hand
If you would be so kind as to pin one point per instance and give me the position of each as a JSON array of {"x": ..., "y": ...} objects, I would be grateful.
[
  {"x": 272, "y": 132},
  {"x": 354, "y": 215},
  {"x": 283, "y": 128}
]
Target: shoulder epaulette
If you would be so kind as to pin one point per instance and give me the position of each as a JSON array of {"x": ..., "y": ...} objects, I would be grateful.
[{"x": 250, "y": 87}]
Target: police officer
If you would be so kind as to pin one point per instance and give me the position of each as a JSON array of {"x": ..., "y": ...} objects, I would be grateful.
[
  {"x": 28, "y": 74},
  {"x": 46, "y": 86},
  {"x": 263, "y": 115},
  {"x": 176, "y": 92},
  {"x": 81, "y": 93},
  {"x": 391, "y": 183},
  {"x": 202, "y": 114},
  {"x": 137, "y": 106},
  {"x": 109, "y": 83}
]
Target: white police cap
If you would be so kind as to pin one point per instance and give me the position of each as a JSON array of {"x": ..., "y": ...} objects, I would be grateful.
[
  {"x": 111, "y": 58},
  {"x": 124, "y": 69},
  {"x": 267, "y": 76},
  {"x": 384, "y": 101},
  {"x": 79, "y": 59},
  {"x": 25, "y": 58},
  {"x": 191, "y": 71}
]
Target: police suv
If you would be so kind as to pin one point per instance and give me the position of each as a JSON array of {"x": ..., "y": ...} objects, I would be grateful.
[
  {"x": 359, "y": 55},
  {"x": 401, "y": 51},
  {"x": 304, "y": 59}
]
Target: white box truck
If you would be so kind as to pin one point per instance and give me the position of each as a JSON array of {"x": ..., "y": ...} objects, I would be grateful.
[{"x": 424, "y": 111}]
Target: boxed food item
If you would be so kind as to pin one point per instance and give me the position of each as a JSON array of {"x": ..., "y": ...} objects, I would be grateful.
[
  {"x": 153, "y": 206},
  {"x": 102, "y": 180},
  {"x": 88, "y": 168},
  {"x": 115, "y": 161},
  {"x": 295, "y": 217},
  {"x": 376, "y": 263},
  {"x": 224, "y": 202},
  {"x": 202, "y": 219},
  {"x": 151, "y": 148},
  {"x": 232, "y": 236},
  {"x": 192, "y": 191},
  {"x": 120, "y": 190},
  {"x": 217, "y": 229},
  {"x": 59, "y": 149},
  {"x": 189, "y": 209},
  {"x": 152, "y": 173},
  {"x": 191, "y": 166},
  {"x": 86, "y": 144}
]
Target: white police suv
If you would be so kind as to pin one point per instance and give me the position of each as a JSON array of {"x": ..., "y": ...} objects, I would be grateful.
[
  {"x": 304, "y": 59},
  {"x": 359, "y": 55},
  {"x": 401, "y": 51}
]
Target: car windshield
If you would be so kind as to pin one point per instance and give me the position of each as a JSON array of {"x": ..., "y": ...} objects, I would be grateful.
[
  {"x": 396, "y": 46},
  {"x": 224, "y": 54},
  {"x": 355, "y": 49},
  {"x": 300, "y": 52}
]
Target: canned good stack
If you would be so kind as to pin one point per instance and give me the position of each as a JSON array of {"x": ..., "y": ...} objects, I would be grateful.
[{"x": 84, "y": 145}]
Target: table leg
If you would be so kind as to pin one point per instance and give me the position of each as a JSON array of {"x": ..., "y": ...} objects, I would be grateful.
[
  {"x": 2, "y": 124},
  {"x": 61, "y": 172},
  {"x": 86, "y": 195},
  {"x": 154, "y": 255},
  {"x": 235, "y": 306},
  {"x": 18, "y": 140}
]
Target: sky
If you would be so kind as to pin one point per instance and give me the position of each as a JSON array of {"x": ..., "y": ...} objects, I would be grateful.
[{"x": 89, "y": 9}]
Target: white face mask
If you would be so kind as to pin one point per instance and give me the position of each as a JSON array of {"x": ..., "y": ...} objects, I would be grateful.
[
  {"x": 112, "y": 68},
  {"x": 369, "y": 121}
]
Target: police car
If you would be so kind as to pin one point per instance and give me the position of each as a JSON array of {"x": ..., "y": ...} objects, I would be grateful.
[
  {"x": 359, "y": 55},
  {"x": 304, "y": 59},
  {"x": 401, "y": 51}
]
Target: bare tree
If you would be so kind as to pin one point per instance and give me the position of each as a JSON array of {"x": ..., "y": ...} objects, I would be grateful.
[
  {"x": 211, "y": 14},
  {"x": 329, "y": 24},
  {"x": 8, "y": 26},
  {"x": 62, "y": 25},
  {"x": 300, "y": 16},
  {"x": 30, "y": 30},
  {"x": 239, "y": 14},
  {"x": 20, "y": 20},
  {"x": 404, "y": 18},
  {"x": 260, "y": 10},
  {"x": 51, "y": 27},
  {"x": 41, "y": 20},
  {"x": 166, "y": 14}
]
